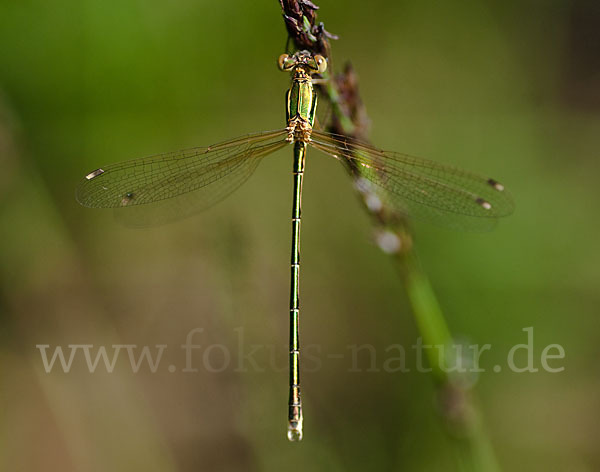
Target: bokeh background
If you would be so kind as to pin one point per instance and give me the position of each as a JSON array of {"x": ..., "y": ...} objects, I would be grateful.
[{"x": 511, "y": 89}]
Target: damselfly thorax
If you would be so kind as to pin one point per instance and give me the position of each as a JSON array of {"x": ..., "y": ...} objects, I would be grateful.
[{"x": 301, "y": 98}]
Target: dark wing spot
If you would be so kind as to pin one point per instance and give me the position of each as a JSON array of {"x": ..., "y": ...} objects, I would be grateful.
[
  {"x": 483, "y": 203},
  {"x": 497, "y": 185}
]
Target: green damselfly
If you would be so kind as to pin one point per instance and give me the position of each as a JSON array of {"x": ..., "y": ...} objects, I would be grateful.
[{"x": 412, "y": 186}]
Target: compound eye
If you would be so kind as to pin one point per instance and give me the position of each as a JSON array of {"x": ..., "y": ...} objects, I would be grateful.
[
  {"x": 283, "y": 62},
  {"x": 321, "y": 63}
]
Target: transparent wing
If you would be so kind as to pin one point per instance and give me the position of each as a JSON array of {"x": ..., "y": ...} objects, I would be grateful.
[
  {"x": 164, "y": 176},
  {"x": 421, "y": 188},
  {"x": 186, "y": 204},
  {"x": 324, "y": 112}
]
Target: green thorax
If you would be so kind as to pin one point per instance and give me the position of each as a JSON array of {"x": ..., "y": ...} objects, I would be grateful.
[{"x": 301, "y": 98}]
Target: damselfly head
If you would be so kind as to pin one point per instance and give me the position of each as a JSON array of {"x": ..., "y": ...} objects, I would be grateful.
[{"x": 316, "y": 64}]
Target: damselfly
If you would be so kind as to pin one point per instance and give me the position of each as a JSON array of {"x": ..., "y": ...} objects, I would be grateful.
[{"x": 412, "y": 186}]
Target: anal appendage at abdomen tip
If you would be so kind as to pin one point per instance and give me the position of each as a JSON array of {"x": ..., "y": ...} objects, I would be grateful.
[{"x": 294, "y": 432}]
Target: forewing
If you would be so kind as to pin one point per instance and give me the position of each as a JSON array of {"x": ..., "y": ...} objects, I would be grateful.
[
  {"x": 164, "y": 176},
  {"x": 421, "y": 188}
]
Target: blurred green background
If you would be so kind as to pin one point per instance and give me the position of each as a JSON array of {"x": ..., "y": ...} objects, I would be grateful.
[{"x": 510, "y": 89}]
